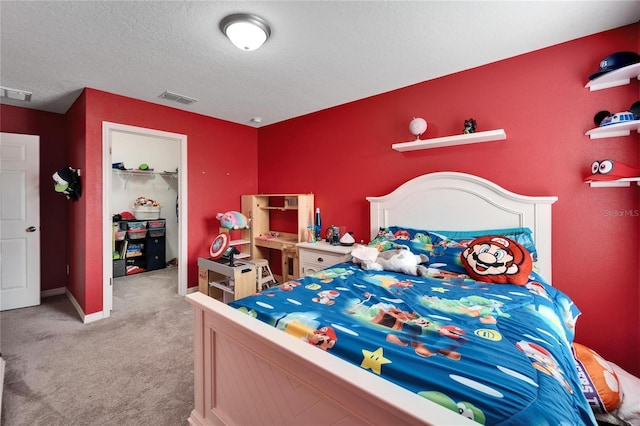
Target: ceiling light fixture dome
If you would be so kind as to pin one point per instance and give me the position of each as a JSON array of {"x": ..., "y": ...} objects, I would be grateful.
[{"x": 246, "y": 31}]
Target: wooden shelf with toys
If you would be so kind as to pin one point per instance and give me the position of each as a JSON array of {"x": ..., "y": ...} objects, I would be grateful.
[
  {"x": 259, "y": 209},
  {"x": 239, "y": 229}
]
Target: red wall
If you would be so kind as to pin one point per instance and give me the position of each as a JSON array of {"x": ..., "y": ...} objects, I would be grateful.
[
  {"x": 221, "y": 166},
  {"x": 85, "y": 233},
  {"x": 344, "y": 154},
  {"x": 53, "y": 206}
]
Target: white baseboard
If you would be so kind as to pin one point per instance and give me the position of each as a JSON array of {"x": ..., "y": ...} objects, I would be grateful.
[{"x": 86, "y": 319}]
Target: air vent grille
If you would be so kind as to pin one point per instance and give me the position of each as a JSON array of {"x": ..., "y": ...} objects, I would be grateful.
[
  {"x": 181, "y": 99},
  {"x": 15, "y": 94}
]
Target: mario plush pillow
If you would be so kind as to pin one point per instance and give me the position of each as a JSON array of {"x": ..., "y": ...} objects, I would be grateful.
[{"x": 497, "y": 259}]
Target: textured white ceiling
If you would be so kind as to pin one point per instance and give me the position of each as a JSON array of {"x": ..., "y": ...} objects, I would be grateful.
[{"x": 320, "y": 54}]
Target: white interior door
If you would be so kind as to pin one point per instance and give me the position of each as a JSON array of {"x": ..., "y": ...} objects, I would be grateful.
[{"x": 19, "y": 221}]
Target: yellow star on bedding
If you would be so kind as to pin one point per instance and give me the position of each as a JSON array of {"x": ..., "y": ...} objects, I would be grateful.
[
  {"x": 374, "y": 360},
  {"x": 439, "y": 289}
]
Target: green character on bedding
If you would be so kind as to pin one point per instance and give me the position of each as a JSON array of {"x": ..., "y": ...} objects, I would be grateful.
[
  {"x": 484, "y": 308},
  {"x": 463, "y": 408},
  {"x": 424, "y": 239},
  {"x": 473, "y": 306},
  {"x": 328, "y": 275},
  {"x": 250, "y": 312}
]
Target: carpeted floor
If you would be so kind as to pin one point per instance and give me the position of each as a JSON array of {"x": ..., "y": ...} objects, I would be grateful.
[{"x": 133, "y": 368}]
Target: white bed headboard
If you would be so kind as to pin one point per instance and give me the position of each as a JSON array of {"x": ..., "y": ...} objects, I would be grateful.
[{"x": 463, "y": 202}]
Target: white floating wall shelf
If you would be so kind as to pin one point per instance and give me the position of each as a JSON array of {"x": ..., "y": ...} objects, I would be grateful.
[
  {"x": 615, "y": 78},
  {"x": 170, "y": 176},
  {"x": 614, "y": 130},
  {"x": 487, "y": 136},
  {"x": 613, "y": 183}
]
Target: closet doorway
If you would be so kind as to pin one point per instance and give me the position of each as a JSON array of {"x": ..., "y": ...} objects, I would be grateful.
[{"x": 169, "y": 152}]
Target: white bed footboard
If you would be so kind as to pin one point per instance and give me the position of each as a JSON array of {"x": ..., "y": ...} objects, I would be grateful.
[{"x": 249, "y": 373}]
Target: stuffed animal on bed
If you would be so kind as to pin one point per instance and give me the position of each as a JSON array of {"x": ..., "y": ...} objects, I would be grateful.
[
  {"x": 395, "y": 260},
  {"x": 233, "y": 220}
]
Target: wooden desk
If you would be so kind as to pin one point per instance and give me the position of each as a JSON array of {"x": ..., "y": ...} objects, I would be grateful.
[{"x": 286, "y": 244}]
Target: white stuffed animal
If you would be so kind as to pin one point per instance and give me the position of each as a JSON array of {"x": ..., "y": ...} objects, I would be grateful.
[{"x": 395, "y": 260}]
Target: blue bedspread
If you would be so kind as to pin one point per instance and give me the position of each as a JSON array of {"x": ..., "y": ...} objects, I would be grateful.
[{"x": 496, "y": 353}]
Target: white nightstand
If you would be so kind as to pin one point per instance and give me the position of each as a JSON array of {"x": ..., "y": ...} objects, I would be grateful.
[{"x": 320, "y": 255}]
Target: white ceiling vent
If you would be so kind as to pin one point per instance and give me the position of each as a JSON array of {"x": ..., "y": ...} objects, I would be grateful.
[
  {"x": 181, "y": 99},
  {"x": 15, "y": 94}
]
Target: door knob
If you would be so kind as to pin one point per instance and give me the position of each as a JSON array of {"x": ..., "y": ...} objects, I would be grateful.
[{"x": 31, "y": 229}]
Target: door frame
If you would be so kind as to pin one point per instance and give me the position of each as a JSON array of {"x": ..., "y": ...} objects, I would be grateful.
[{"x": 108, "y": 128}]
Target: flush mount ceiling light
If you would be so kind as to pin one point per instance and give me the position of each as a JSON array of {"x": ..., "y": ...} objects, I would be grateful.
[
  {"x": 246, "y": 32},
  {"x": 15, "y": 94}
]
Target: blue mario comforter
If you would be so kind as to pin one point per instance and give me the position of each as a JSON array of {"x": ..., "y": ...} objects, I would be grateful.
[{"x": 498, "y": 354}]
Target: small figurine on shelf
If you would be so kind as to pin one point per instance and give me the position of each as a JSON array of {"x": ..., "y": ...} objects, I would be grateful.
[
  {"x": 469, "y": 126},
  {"x": 311, "y": 234},
  {"x": 417, "y": 126}
]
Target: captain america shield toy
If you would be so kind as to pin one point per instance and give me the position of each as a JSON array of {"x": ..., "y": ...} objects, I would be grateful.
[{"x": 218, "y": 246}]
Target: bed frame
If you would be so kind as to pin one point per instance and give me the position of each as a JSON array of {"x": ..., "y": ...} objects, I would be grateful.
[{"x": 249, "y": 373}]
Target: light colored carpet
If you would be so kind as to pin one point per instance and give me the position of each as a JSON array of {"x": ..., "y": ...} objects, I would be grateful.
[{"x": 133, "y": 368}]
